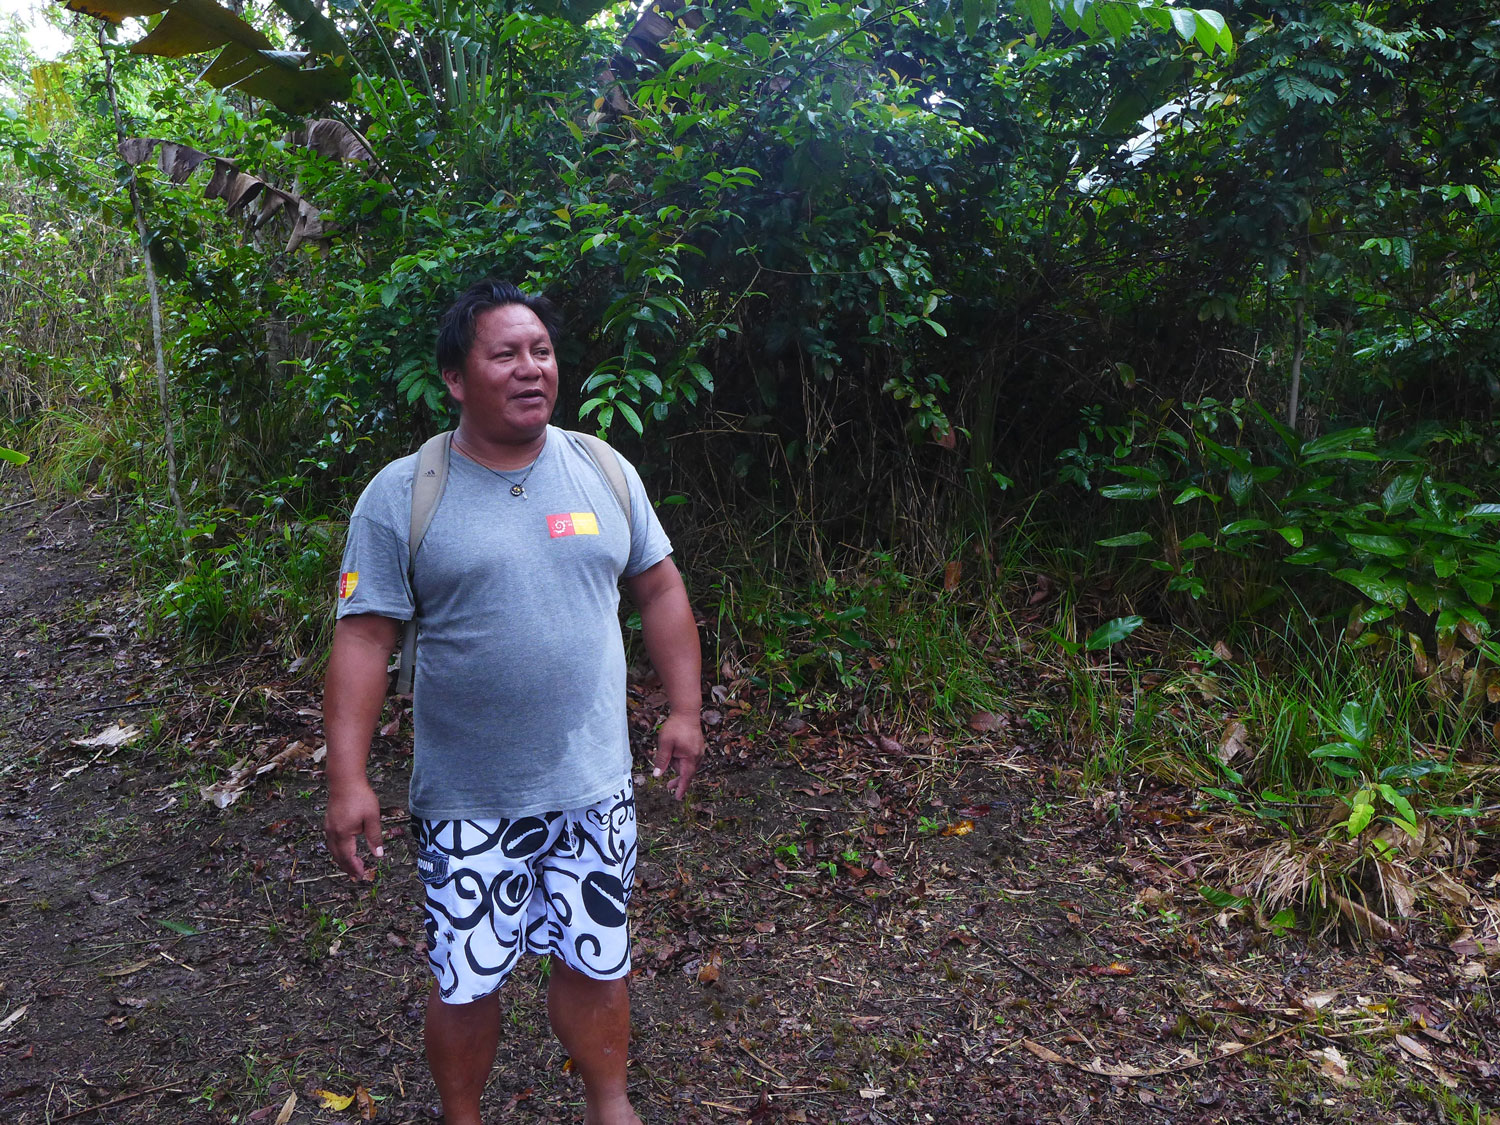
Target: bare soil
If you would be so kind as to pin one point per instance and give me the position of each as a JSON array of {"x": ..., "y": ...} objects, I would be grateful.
[{"x": 839, "y": 926}]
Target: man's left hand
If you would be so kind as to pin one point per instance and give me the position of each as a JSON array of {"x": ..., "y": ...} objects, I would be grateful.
[{"x": 679, "y": 743}]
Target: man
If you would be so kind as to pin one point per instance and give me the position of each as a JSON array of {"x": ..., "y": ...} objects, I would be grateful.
[{"x": 521, "y": 799}]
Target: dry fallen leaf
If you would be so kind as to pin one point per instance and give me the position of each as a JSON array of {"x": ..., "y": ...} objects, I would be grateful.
[
  {"x": 870, "y": 1093},
  {"x": 959, "y": 828},
  {"x": 1413, "y": 1048},
  {"x": 1113, "y": 969},
  {"x": 335, "y": 1102},
  {"x": 1044, "y": 1053},
  {"x": 984, "y": 722},
  {"x": 11, "y": 1020},
  {"x": 709, "y": 971},
  {"x": 1333, "y": 1066},
  {"x": 1234, "y": 741},
  {"x": 953, "y": 574},
  {"x": 117, "y": 735},
  {"x": 365, "y": 1103},
  {"x": 1113, "y": 1070},
  {"x": 131, "y": 969},
  {"x": 1406, "y": 980},
  {"x": 286, "y": 1109}
]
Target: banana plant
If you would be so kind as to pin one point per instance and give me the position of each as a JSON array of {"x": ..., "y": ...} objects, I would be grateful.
[
  {"x": 239, "y": 189},
  {"x": 247, "y": 60}
]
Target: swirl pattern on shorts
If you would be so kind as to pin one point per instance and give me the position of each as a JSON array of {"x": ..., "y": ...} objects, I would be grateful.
[{"x": 558, "y": 883}]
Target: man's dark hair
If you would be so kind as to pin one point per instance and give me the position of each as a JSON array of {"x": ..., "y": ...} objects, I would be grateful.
[{"x": 456, "y": 328}]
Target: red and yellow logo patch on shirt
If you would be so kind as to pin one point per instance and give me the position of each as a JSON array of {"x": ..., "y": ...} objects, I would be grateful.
[
  {"x": 347, "y": 581},
  {"x": 572, "y": 523}
]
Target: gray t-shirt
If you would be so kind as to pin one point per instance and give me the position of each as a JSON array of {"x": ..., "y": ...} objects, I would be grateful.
[{"x": 520, "y": 677}]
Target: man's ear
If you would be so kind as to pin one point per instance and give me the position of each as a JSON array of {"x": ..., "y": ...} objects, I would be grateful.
[{"x": 454, "y": 381}]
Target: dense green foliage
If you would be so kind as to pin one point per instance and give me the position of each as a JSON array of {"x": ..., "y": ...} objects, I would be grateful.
[{"x": 858, "y": 284}]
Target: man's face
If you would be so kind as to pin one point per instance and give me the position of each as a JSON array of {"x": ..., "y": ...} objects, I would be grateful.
[{"x": 508, "y": 383}]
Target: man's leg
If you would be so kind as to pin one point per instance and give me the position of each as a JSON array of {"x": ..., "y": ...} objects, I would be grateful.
[
  {"x": 461, "y": 1044},
  {"x": 591, "y": 1019}
]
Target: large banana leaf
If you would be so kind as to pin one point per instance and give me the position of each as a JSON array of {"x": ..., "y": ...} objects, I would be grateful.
[{"x": 247, "y": 59}]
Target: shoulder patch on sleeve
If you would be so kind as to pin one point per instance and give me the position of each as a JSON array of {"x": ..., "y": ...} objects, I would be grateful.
[{"x": 347, "y": 581}]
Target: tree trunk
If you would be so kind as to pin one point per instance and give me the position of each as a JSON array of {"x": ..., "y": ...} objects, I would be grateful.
[
  {"x": 153, "y": 294},
  {"x": 1299, "y": 340}
]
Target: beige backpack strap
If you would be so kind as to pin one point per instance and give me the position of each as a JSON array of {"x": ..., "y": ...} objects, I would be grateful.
[
  {"x": 426, "y": 491},
  {"x": 609, "y": 465}
]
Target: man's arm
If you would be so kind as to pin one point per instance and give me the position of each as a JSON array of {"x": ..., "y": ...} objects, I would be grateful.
[
  {"x": 353, "y": 694},
  {"x": 672, "y": 644}
]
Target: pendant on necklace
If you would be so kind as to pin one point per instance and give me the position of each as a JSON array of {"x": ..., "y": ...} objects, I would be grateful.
[{"x": 517, "y": 490}]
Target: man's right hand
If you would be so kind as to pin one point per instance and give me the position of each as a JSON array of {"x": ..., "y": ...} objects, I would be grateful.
[
  {"x": 353, "y": 812},
  {"x": 355, "y": 690}
]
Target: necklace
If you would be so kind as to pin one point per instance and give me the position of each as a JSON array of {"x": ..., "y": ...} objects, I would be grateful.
[{"x": 517, "y": 487}]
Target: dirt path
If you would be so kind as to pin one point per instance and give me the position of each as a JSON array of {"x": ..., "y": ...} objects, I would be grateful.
[{"x": 838, "y": 928}]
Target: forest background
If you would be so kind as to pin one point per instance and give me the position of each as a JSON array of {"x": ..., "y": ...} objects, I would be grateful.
[{"x": 1176, "y": 330}]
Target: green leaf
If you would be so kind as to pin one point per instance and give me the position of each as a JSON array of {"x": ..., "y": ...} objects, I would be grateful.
[
  {"x": 1374, "y": 585},
  {"x": 1185, "y": 23},
  {"x": 177, "y": 927},
  {"x": 1356, "y": 723},
  {"x": 1293, "y": 535},
  {"x": 1222, "y": 900},
  {"x": 1336, "y": 750},
  {"x": 1341, "y": 441},
  {"x": 1128, "y": 492},
  {"x": 1424, "y": 595},
  {"x": 1118, "y": 19},
  {"x": 1195, "y": 541},
  {"x": 1359, "y": 819},
  {"x": 1408, "y": 826},
  {"x": 13, "y": 456},
  {"x": 1040, "y": 14},
  {"x": 1239, "y": 527},
  {"x": 1193, "y": 492},
  {"x": 1129, "y": 539},
  {"x": 1112, "y": 632},
  {"x": 1483, "y": 512},
  {"x": 1222, "y": 794},
  {"x": 1387, "y": 545},
  {"x": 630, "y": 416},
  {"x": 1312, "y": 555},
  {"x": 1398, "y": 802},
  {"x": 1399, "y": 494},
  {"x": 975, "y": 12},
  {"x": 1410, "y": 771},
  {"x": 1480, "y": 592},
  {"x": 1241, "y": 485},
  {"x": 1210, "y": 24}
]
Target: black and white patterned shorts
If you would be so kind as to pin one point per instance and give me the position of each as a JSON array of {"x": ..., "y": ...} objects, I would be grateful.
[{"x": 556, "y": 883}]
